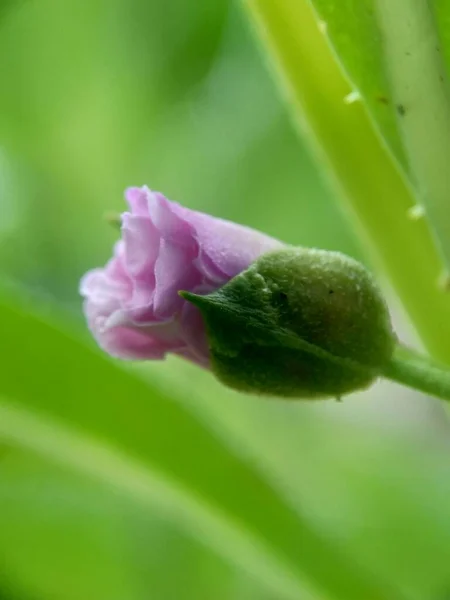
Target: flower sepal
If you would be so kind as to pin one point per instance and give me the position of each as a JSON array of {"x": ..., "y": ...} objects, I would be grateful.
[{"x": 298, "y": 323}]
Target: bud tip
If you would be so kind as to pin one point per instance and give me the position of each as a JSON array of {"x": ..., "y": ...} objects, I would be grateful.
[{"x": 195, "y": 299}]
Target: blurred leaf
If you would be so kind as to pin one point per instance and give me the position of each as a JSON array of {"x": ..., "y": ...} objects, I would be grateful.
[
  {"x": 66, "y": 537},
  {"x": 8, "y": 592},
  {"x": 373, "y": 472},
  {"x": 7, "y": 5},
  {"x": 75, "y": 407},
  {"x": 61, "y": 539},
  {"x": 352, "y": 28},
  {"x": 441, "y": 9},
  {"x": 392, "y": 54},
  {"x": 369, "y": 182}
]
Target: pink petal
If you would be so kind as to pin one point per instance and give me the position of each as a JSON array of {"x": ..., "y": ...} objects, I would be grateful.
[
  {"x": 132, "y": 305},
  {"x": 137, "y": 199},
  {"x": 141, "y": 240},
  {"x": 169, "y": 222},
  {"x": 230, "y": 247},
  {"x": 174, "y": 271}
]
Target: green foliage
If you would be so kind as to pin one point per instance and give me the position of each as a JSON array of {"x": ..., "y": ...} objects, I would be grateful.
[
  {"x": 393, "y": 54},
  {"x": 367, "y": 179},
  {"x": 155, "y": 481},
  {"x": 155, "y": 451}
]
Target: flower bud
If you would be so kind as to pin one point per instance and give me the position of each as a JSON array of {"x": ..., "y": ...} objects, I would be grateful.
[
  {"x": 298, "y": 323},
  {"x": 132, "y": 304}
]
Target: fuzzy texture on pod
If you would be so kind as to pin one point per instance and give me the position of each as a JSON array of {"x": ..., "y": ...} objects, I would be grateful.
[{"x": 299, "y": 323}]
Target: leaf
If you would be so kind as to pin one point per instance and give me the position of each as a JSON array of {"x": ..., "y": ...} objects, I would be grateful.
[
  {"x": 62, "y": 536},
  {"x": 352, "y": 29},
  {"x": 441, "y": 11},
  {"x": 392, "y": 54},
  {"x": 365, "y": 470},
  {"x": 68, "y": 404},
  {"x": 7, "y": 5},
  {"x": 68, "y": 537},
  {"x": 368, "y": 182}
]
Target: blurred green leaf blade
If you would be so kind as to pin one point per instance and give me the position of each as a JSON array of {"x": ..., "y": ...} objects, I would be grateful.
[
  {"x": 355, "y": 157},
  {"x": 352, "y": 29},
  {"x": 69, "y": 538},
  {"x": 392, "y": 54},
  {"x": 128, "y": 433}
]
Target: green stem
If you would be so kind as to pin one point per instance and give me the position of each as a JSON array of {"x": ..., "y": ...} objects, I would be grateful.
[
  {"x": 419, "y": 373},
  {"x": 346, "y": 143},
  {"x": 419, "y": 88}
]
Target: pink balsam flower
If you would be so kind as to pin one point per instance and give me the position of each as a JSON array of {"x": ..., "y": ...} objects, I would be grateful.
[{"x": 132, "y": 304}]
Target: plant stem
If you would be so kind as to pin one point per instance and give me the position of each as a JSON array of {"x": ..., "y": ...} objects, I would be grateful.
[
  {"x": 369, "y": 182},
  {"x": 419, "y": 373},
  {"x": 419, "y": 86}
]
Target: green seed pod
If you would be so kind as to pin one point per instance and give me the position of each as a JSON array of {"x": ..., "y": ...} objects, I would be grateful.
[{"x": 298, "y": 323}]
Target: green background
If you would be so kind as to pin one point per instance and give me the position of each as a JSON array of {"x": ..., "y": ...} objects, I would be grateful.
[{"x": 100, "y": 95}]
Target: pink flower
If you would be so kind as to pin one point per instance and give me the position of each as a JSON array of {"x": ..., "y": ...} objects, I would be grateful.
[{"x": 132, "y": 304}]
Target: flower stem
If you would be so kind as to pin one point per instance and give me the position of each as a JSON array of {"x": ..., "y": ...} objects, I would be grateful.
[
  {"x": 418, "y": 372},
  {"x": 370, "y": 185}
]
